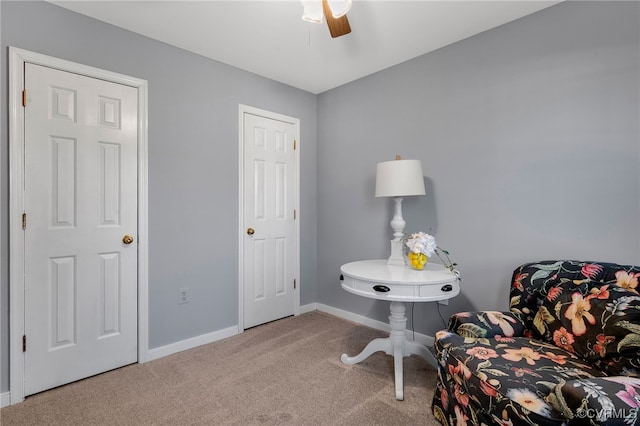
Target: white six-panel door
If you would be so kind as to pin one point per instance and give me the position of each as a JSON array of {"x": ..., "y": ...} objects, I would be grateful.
[
  {"x": 269, "y": 258},
  {"x": 80, "y": 201}
]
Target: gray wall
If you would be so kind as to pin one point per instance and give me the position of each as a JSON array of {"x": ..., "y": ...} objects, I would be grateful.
[
  {"x": 529, "y": 140},
  {"x": 193, "y": 164}
]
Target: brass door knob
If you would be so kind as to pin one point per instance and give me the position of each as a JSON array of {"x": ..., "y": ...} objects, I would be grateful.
[
  {"x": 127, "y": 239},
  {"x": 251, "y": 231}
]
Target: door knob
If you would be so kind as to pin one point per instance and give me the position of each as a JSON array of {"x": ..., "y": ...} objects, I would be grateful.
[
  {"x": 250, "y": 231},
  {"x": 127, "y": 239}
]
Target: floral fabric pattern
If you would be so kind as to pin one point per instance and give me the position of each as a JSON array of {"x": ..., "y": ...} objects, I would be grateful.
[
  {"x": 566, "y": 353},
  {"x": 486, "y": 324},
  {"x": 603, "y": 400},
  {"x": 590, "y": 309}
]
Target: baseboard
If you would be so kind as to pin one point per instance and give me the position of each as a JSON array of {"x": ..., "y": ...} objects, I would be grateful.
[
  {"x": 204, "y": 339},
  {"x": 5, "y": 399},
  {"x": 193, "y": 342},
  {"x": 308, "y": 308},
  {"x": 378, "y": 325}
]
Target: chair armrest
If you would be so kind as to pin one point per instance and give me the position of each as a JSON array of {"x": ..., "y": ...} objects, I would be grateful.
[
  {"x": 487, "y": 324},
  {"x": 598, "y": 400}
]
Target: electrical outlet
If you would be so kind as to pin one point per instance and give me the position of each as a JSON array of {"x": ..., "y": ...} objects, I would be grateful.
[{"x": 184, "y": 296}]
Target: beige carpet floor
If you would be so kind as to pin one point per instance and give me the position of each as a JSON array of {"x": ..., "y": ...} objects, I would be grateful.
[{"x": 287, "y": 372}]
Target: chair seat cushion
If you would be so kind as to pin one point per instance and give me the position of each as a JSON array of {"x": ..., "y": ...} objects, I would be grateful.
[{"x": 509, "y": 377}]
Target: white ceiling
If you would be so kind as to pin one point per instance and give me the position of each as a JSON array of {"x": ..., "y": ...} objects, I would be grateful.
[{"x": 269, "y": 37}]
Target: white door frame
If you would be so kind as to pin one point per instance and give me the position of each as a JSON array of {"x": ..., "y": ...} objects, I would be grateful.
[
  {"x": 296, "y": 203},
  {"x": 17, "y": 60}
]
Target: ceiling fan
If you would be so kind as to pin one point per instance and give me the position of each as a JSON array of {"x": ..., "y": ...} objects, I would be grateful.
[{"x": 334, "y": 11}]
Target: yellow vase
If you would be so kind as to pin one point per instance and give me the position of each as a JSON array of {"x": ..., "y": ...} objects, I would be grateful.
[{"x": 417, "y": 260}]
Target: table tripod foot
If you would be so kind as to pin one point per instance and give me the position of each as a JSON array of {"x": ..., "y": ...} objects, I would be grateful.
[{"x": 380, "y": 344}]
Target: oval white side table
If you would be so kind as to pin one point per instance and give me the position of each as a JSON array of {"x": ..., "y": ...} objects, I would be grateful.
[{"x": 398, "y": 284}]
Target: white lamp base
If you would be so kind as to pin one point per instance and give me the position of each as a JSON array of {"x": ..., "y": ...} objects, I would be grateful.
[
  {"x": 397, "y": 224},
  {"x": 396, "y": 258}
]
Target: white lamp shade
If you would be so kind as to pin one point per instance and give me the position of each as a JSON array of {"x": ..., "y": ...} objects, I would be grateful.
[{"x": 399, "y": 178}]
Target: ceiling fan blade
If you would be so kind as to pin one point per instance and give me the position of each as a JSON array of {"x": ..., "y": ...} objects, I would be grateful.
[{"x": 337, "y": 26}]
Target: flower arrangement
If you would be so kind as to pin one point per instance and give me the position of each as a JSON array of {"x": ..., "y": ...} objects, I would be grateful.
[{"x": 421, "y": 246}]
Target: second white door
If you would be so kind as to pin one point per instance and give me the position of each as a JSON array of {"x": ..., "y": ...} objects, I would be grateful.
[
  {"x": 269, "y": 258},
  {"x": 80, "y": 203}
]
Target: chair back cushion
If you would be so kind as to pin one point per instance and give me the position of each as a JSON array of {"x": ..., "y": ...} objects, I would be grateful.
[{"x": 591, "y": 309}]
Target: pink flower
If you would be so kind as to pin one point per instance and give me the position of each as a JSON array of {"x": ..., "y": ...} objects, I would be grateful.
[
  {"x": 577, "y": 312},
  {"x": 554, "y": 293},
  {"x": 482, "y": 353},
  {"x": 563, "y": 339},
  {"x": 460, "y": 370},
  {"x": 601, "y": 346},
  {"x": 517, "y": 281},
  {"x": 590, "y": 270},
  {"x": 487, "y": 389},
  {"x": 599, "y": 293},
  {"x": 629, "y": 396}
]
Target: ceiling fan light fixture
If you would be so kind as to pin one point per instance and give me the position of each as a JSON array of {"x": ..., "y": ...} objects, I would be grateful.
[
  {"x": 335, "y": 12},
  {"x": 312, "y": 11},
  {"x": 339, "y": 8}
]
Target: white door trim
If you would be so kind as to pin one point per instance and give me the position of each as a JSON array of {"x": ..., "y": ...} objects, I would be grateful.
[
  {"x": 296, "y": 202},
  {"x": 17, "y": 59}
]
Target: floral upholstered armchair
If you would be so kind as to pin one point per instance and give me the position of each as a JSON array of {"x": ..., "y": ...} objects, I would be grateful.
[{"x": 567, "y": 351}]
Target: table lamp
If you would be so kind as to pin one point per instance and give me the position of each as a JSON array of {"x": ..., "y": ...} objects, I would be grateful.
[{"x": 397, "y": 179}]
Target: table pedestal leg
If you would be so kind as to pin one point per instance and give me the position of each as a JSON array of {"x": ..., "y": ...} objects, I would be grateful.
[
  {"x": 398, "y": 322},
  {"x": 396, "y": 345}
]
